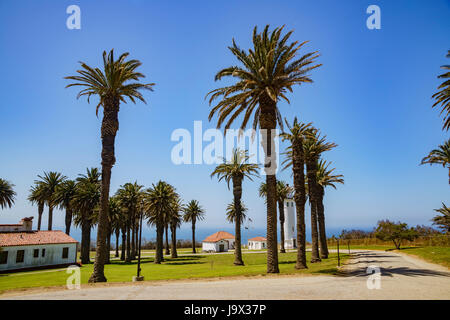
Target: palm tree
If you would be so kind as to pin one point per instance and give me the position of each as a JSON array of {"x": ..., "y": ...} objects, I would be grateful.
[
  {"x": 175, "y": 220},
  {"x": 193, "y": 212},
  {"x": 443, "y": 97},
  {"x": 7, "y": 194},
  {"x": 443, "y": 221},
  {"x": 313, "y": 146},
  {"x": 231, "y": 213},
  {"x": 283, "y": 190},
  {"x": 117, "y": 219},
  {"x": 117, "y": 81},
  {"x": 130, "y": 196},
  {"x": 37, "y": 196},
  {"x": 296, "y": 160},
  {"x": 63, "y": 197},
  {"x": 441, "y": 156},
  {"x": 269, "y": 70},
  {"x": 325, "y": 178},
  {"x": 49, "y": 183},
  {"x": 236, "y": 170},
  {"x": 158, "y": 200},
  {"x": 84, "y": 203}
]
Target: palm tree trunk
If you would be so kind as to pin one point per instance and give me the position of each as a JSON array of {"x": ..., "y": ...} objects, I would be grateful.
[
  {"x": 128, "y": 252},
  {"x": 311, "y": 170},
  {"x": 159, "y": 243},
  {"x": 40, "y": 212},
  {"x": 68, "y": 220},
  {"x": 167, "y": 239},
  {"x": 50, "y": 217},
  {"x": 133, "y": 237},
  {"x": 267, "y": 121},
  {"x": 108, "y": 245},
  {"x": 281, "y": 211},
  {"x": 237, "y": 194},
  {"x": 173, "y": 232},
  {"x": 117, "y": 243},
  {"x": 298, "y": 167},
  {"x": 193, "y": 236},
  {"x": 110, "y": 125},
  {"x": 85, "y": 240},
  {"x": 124, "y": 244},
  {"x": 321, "y": 220}
]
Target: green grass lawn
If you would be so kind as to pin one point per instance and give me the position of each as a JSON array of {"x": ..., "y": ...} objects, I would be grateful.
[{"x": 185, "y": 267}]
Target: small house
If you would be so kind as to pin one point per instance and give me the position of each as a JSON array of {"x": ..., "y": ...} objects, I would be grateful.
[
  {"x": 220, "y": 241},
  {"x": 22, "y": 248},
  {"x": 257, "y": 243}
]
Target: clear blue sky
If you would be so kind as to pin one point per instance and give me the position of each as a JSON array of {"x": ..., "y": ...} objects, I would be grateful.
[{"x": 372, "y": 96}]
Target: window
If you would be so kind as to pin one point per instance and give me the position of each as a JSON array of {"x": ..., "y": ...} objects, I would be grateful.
[
  {"x": 65, "y": 252},
  {"x": 3, "y": 257},
  {"x": 35, "y": 253},
  {"x": 20, "y": 256},
  {"x": 43, "y": 252}
]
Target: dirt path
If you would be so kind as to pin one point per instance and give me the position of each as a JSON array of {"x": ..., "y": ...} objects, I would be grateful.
[{"x": 401, "y": 277}]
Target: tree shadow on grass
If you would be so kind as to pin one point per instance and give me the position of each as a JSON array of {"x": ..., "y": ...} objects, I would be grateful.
[
  {"x": 180, "y": 263},
  {"x": 390, "y": 272}
]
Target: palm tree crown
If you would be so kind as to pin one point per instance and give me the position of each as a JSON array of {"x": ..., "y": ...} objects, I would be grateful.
[
  {"x": 325, "y": 176},
  {"x": 443, "y": 96},
  {"x": 441, "y": 156},
  {"x": 193, "y": 212},
  {"x": 231, "y": 213},
  {"x": 236, "y": 167},
  {"x": 7, "y": 194},
  {"x": 443, "y": 221},
  {"x": 270, "y": 69}
]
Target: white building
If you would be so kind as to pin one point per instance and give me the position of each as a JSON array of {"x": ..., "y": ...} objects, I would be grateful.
[
  {"x": 290, "y": 236},
  {"x": 218, "y": 242},
  {"x": 22, "y": 248},
  {"x": 257, "y": 243}
]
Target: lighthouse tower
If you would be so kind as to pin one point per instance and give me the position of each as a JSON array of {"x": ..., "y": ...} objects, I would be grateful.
[{"x": 290, "y": 236}]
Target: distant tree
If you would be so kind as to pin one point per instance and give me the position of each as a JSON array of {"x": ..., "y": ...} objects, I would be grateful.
[
  {"x": 443, "y": 221},
  {"x": 395, "y": 232},
  {"x": 37, "y": 196},
  {"x": 63, "y": 197},
  {"x": 443, "y": 97},
  {"x": 49, "y": 182},
  {"x": 193, "y": 212},
  {"x": 355, "y": 234},
  {"x": 7, "y": 194},
  {"x": 175, "y": 220},
  {"x": 425, "y": 231},
  {"x": 231, "y": 213}
]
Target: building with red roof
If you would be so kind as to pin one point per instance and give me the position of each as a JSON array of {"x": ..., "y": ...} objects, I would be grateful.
[
  {"x": 220, "y": 241},
  {"x": 23, "y": 248},
  {"x": 257, "y": 243}
]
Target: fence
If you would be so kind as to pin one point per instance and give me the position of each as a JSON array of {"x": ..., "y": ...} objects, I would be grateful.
[{"x": 437, "y": 240}]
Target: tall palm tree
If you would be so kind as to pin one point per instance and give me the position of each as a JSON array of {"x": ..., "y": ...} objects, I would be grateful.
[
  {"x": 270, "y": 69},
  {"x": 325, "y": 178},
  {"x": 442, "y": 97},
  {"x": 441, "y": 156},
  {"x": 175, "y": 220},
  {"x": 49, "y": 182},
  {"x": 37, "y": 196},
  {"x": 296, "y": 159},
  {"x": 193, "y": 212},
  {"x": 443, "y": 221},
  {"x": 130, "y": 196},
  {"x": 117, "y": 81},
  {"x": 63, "y": 197},
  {"x": 283, "y": 190},
  {"x": 313, "y": 146},
  {"x": 231, "y": 213},
  {"x": 236, "y": 170},
  {"x": 158, "y": 200},
  {"x": 7, "y": 194}
]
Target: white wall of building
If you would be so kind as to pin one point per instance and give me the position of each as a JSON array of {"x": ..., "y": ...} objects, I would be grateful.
[
  {"x": 290, "y": 235},
  {"x": 53, "y": 255},
  {"x": 215, "y": 246},
  {"x": 257, "y": 245}
]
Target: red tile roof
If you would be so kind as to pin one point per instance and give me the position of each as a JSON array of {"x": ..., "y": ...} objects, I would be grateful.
[
  {"x": 8, "y": 239},
  {"x": 257, "y": 239},
  {"x": 221, "y": 235}
]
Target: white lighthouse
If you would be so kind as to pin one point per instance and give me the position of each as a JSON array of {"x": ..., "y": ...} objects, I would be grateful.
[{"x": 290, "y": 236}]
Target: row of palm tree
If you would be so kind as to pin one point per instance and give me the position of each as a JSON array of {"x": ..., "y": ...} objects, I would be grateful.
[{"x": 441, "y": 154}]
